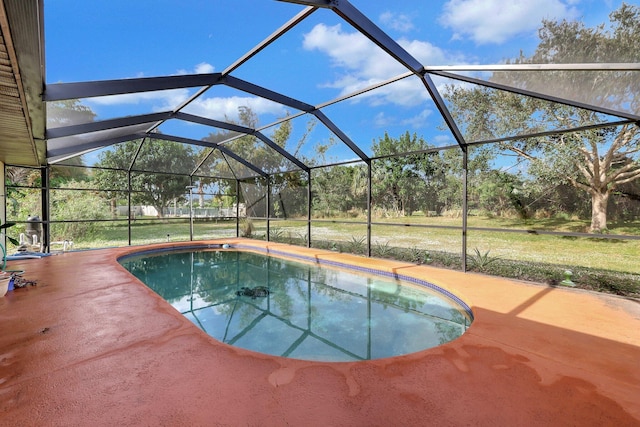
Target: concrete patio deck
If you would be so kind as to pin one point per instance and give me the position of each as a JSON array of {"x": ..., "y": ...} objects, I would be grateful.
[{"x": 90, "y": 345}]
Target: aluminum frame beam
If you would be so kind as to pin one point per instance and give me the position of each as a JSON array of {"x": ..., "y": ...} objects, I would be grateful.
[
  {"x": 262, "y": 92},
  {"x": 366, "y": 27},
  {"x": 313, "y": 3},
  {"x": 584, "y": 66},
  {"x": 223, "y": 149},
  {"x": 242, "y": 129},
  {"x": 213, "y": 123},
  {"x": 64, "y": 131},
  {"x": 444, "y": 111},
  {"x": 280, "y": 150},
  {"x": 67, "y": 131},
  {"x": 554, "y": 132},
  {"x": 273, "y": 37},
  {"x": 536, "y": 95},
  {"x": 58, "y": 149},
  {"x": 79, "y": 90},
  {"x": 338, "y": 132}
]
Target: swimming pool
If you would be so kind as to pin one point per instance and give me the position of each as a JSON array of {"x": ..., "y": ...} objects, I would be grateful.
[{"x": 301, "y": 310}]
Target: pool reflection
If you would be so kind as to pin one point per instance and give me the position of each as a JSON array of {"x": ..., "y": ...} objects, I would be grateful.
[{"x": 309, "y": 312}]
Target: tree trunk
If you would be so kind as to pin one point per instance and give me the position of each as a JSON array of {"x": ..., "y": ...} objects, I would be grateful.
[
  {"x": 599, "y": 202},
  {"x": 200, "y": 194},
  {"x": 114, "y": 208}
]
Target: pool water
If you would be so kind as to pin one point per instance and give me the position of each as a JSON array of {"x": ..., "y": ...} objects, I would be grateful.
[{"x": 299, "y": 310}]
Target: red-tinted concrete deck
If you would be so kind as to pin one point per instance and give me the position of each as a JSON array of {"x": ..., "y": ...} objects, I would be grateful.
[{"x": 90, "y": 345}]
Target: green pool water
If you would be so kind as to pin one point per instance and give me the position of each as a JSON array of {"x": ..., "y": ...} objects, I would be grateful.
[{"x": 299, "y": 310}]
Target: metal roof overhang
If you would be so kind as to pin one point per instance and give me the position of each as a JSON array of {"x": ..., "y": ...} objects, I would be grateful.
[{"x": 22, "y": 116}]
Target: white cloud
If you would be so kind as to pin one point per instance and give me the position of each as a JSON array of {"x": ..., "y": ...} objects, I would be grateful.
[
  {"x": 360, "y": 64},
  {"x": 441, "y": 140},
  {"x": 399, "y": 22},
  {"x": 204, "y": 68},
  {"x": 160, "y": 98},
  {"x": 163, "y": 99},
  {"x": 408, "y": 92},
  {"x": 381, "y": 120},
  {"x": 201, "y": 68},
  {"x": 220, "y": 108},
  {"x": 429, "y": 54},
  {"x": 417, "y": 121},
  {"x": 215, "y": 107},
  {"x": 352, "y": 51},
  {"x": 495, "y": 21}
]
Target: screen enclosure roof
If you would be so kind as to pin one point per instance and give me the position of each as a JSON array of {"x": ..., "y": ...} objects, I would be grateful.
[{"x": 277, "y": 89}]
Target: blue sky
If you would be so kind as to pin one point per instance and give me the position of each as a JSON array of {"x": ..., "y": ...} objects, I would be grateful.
[{"x": 321, "y": 59}]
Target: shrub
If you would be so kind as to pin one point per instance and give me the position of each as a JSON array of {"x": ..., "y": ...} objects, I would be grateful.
[
  {"x": 276, "y": 234},
  {"x": 82, "y": 207},
  {"x": 481, "y": 261},
  {"x": 612, "y": 282},
  {"x": 357, "y": 245},
  {"x": 607, "y": 281},
  {"x": 246, "y": 228},
  {"x": 382, "y": 250}
]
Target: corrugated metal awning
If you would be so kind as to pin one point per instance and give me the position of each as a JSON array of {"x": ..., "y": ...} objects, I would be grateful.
[{"x": 22, "y": 119}]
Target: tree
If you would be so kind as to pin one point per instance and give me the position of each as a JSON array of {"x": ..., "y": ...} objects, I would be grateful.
[
  {"x": 59, "y": 113},
  {"x": 152, "y": 182},
  {"x": 84, "y": 207},
  {"x": 596, "y": 161},
  {"x": 68, "y": 112},
  {"x": 248, "y": 147},
  {"x": 284, "y": 180},
  {"x": 402, "y": 183},
  {"x": 28, "y": 177},
  {"x": 334, "y": 189}
]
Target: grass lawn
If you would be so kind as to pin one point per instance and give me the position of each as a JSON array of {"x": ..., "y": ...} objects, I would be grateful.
[{"x": 592, "y": 252}]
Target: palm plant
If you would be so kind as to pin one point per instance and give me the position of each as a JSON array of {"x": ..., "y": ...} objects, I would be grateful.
[{"x": 481, "y": 261}]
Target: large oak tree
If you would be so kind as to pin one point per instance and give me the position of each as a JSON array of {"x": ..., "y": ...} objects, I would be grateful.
[{"x": 596, "y": 161}]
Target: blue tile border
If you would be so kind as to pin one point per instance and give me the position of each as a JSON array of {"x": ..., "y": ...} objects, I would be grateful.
[{"x": 168, "y": 249}]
